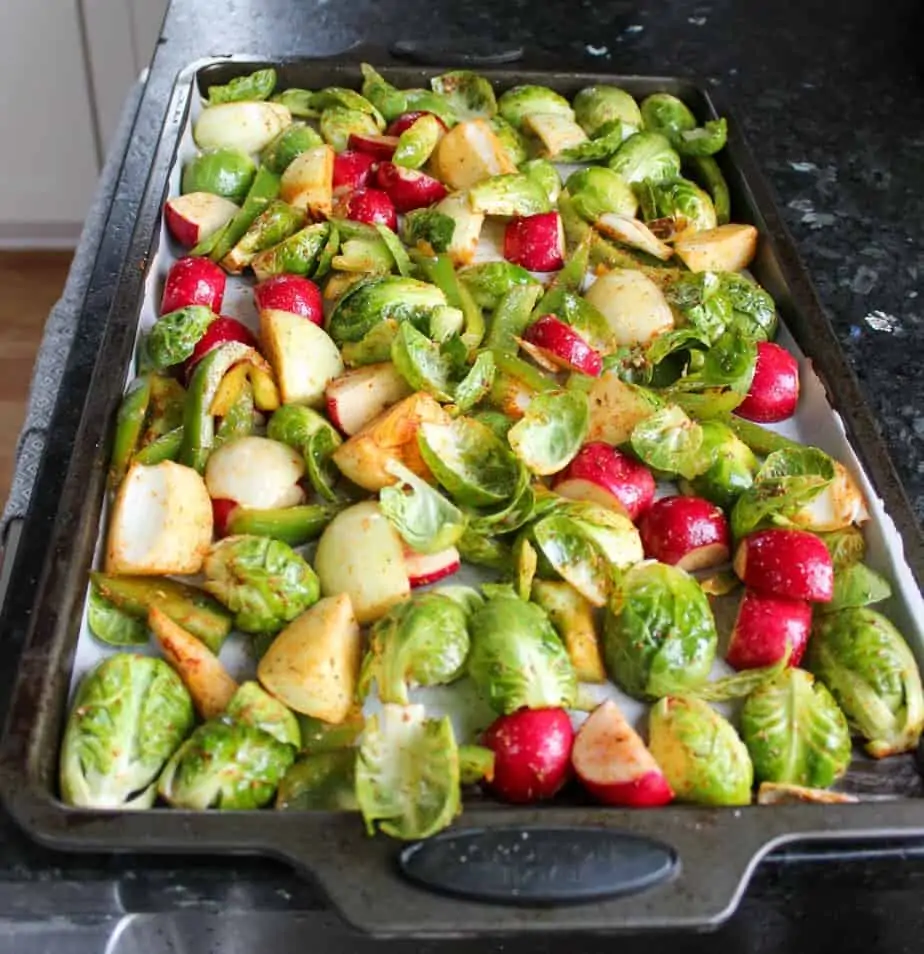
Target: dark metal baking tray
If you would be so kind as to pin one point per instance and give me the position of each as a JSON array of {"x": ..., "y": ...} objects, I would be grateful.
[{"x": 576, "y": 853}]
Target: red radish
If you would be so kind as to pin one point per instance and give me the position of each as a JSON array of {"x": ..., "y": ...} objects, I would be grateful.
[
  {"x": 222, "y": 329},
  {"x": 612, "y": 763},
  {"x": 193, "y": 281},
  {"x": 532, "y": 754},
  {"x": 536, "y": 242},
  {"x": 291, "y": 293},
  {"x": 774, "y": 391},
  {"x": 373, "y": 207},
  {"x": 221, "y": 514},
  {"x": 425, "y": 568},
  {"x": 764, "y": 627},
  {"x": 688, "y": 532},
  {"x": 406, "y": 120},
  {"x": 355, "y": 398},
  {"x": 563, "y": 346},
  {"x": 352, "y": 169},
  {"x": 193, "y": 217},
  {"x": 379, "y": 147},
  {"x": 602, "y": 474},
  {"x": 409, "y": 189},
  {"x": 793, "y": 564}
]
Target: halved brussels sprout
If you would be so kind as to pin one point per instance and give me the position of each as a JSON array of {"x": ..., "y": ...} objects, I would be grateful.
[
  {"x": 323, "y": 782},
  {"x": 551, "y": 431},
  {"x": 428, "y": 226},
  {"x": 417, "y": 142},
  {"x": 605, "y": 144},
  {"x": 856, "y": 585},
  {"x": 512, "y": 194},
  {"x": 469, "y": 95},
  {"x": 595, "y": 106},
  {"x": 489, "y": 282},
  {"x": 680, "y": 204},
  {"x": 290, "y": 143},
  {"x": 521, "y": 101},
  {"x": 252, "y": 705},
  {"x": 255, "y": 86},
  {"x": 664, "y": 113},
  {"x": 421, "y": 363},
  {"x": 426, "y": 520},
  {"x": 224, "y": 172},
  {"x": 672, "y": 443},
  {"x": 646, "y": 156},
  {"x": 340, "y": 97},
  {"x": 732, "y": 468},
  {"x": 597, "y": 190},
  {"x": 546, "y": 175}
]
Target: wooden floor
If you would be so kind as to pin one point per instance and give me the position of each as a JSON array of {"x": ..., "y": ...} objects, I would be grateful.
[{"x": 30, "y": 283}]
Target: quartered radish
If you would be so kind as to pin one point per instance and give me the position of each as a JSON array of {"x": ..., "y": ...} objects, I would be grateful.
[
  {"x": 355, "y": 398},
  {"x": 197, "y": 216},
  {"x": 600, "y": 473},
  {"x": 302, "y": 354},
  {"x": 256, "y": 472},
  {"x": 372, "y": 206},
  {"x": 408, "y": 189},
  {"x": 688, "y": 532},
  {"x": 563, "y": 347},
  {"x": 426, "y": 568},
  {"x": 193, "y": 281},
  {"x": 308, "y": 182},
  {"x": 352, "y": 169}
]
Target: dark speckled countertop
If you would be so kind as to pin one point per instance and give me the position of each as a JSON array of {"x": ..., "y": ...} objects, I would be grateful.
[{"x": 832, "y": 100}]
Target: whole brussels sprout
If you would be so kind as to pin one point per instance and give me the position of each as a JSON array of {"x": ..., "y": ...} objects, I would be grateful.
[
  {"x": 252, "y": 705},
  {"x": 423, "y": 641},
  {"x": 701, "y": 755},
  {"x": 224, "y": 172},
  {"x": 517, "y": 659},
  {"x": 732, "y": 469},
  {"x": 264, "y": 582},
  {"x": 225, "y": 765},
  {"x": 595, "y": 106},
  {"x": 597, "y": 190},
  {"x": 795, "y": 732},
  {"x": 646, "y": 156},
  {"x": 129, "y": 716},
  {"x": 866, "y": 663},
  {"x": 522, "y": 101},
  {"x": 659, "y": 632},
  {"x": 382, "y": 299},
  {"x": 664, "y": 113},
  {"x": 426, "y": 520}
]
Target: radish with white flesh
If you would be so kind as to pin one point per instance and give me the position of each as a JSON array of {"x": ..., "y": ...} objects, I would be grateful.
[
  {"x": 604, "y": 475},
  {"x": 220, "y": 331},
  {"x": 774, "y": 391},
  {"x": 467, "y": 230},
  {"x": 532, "y": 754},
  {"x": 290, "y": 293},
  {"x": 727, "y": 248},
  {"x": 302, "y": 354},
  {"x": 312, "y": 666},
  {"x": 788, "y": 563},
  {"x": 563, "y": 347},
  {"x": 196, "y": 216},
  {"x": 247, "y": 126},
  {"x": 536, "y": 242},
  {"x": 161, "y": 522},
  {"x": 308, "y": 182},
  {"x": 222, "y": 509},
  {"x": 613, "y": 764},
  {"x": 765, "y": 627},
  {"x": 372, "y": 206},
  {"x": 426, "y": 568},
  {"x": 635, "y": 309},
  {"x": 688, "y": 532},
  {"x": 379, "y": 147},
  {"x": 193, "y": 281},
  {"x": 468, "y": 153},
  {"x": 362, "y": 555},
  {"x": 839, "y": 505},
  {"x": 408, "y": 189},
  {"x": 256, "y": 472},
  {"x": 352, "y": 169},
  {"x": 355, "y": 398},
  {"x": 634, "y": 233}
]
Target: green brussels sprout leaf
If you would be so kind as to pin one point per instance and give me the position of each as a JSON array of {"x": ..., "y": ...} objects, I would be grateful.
[
  {"x": 646, "y": 156},
  {"x": 671, "y": 442},
  {"x": 324, "y": 782},
  {"x": 112, "y": 625},
  {"x": 387, "y": 99},
  {"x": 258, "y": 85},
  {"x": 856, "y": 585},
  {"x": 551, "y": 431},
  {"x": 252, "y": 705},
  {"x": 299, "y": 102},
  {"x": 469, "y": 95}
]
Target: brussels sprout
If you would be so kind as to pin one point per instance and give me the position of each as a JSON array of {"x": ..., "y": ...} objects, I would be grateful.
[
  {"x": 365, "y": 256},
  {"x": 469, "y": 95},
  {"x": 421, "y": 363},
  {"x": 264, "y": 582},
  {"x": 325, "y": 782},
  {"x": 480, "y": 548},
  {"x": 290, "y": 143},
  {"x": 869, "y": 668},
  {"x": 522, "y": 101},
  {"x": 469, "y": 461},
  {"x": 477, "y": 384},
  {"x": 112, "y": 625},
  {"x": 314, "y": 438},
  {"x": 387, "y": 99},
  {"x": 659, "y": 633},
  {"x": 421, "y": 642},
  {"x": 752, "y": 307},
  {"x": 299, "y": 102},
  {"x": 732, "y": 468},
  {"x": 646, "y": 156},
  {"x": 567, "y": 550},
  {"x": 551, "y": 431},
  {"x": 685, "y": 206},
  {"x": 339, "y": 97},
  {"x": 338, "y": 123},
  {"x": 670, "y": 442},
  {"x": 175, "y": 335},
  {"x": 666, "y": 114},
  {"x": 428, "y": 226},
  {"x": 225, "y": 172},
  {"x": 252, "y": 705},
  {"x": 605, "y": 144},
  {"x": 225, "y": 765},
  {"x": 856, "y": 585},
  {"x": 466, "y": 597},
  {"x": 795, "y": 732},
  {"x": 705, "y": 140},
  {"x": 417, "y": 142},
  {"x": 700, "y": 754},
  {"x": 273, "y": 225},
  {"x": 517, "y": 659},
  {"x": 727, "y": 366},
  {"x": 515, "y": 194},
  {"x": 511, "y": 140},
  {"x": 129, "y": 715},
  {"x": 407, "y": 773},
  {"x": 846, "y": 546},
  {"x": 598, "y": 190},
  {"x": 383, "y": 299},
  {"x": 374, "y": 347},
  {"x": 425, "y": 100},
  {"x": 426, "y": 520},
  {"x": 544, "y": 174},
  {"x": 595, "y": 106},
  {"x": 258, "y": 85}
]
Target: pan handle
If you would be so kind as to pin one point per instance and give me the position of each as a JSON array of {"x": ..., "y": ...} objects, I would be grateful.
[{"x": 427, "y": 54}]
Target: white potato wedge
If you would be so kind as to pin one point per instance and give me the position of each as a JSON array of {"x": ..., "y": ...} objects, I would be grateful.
[
  {"x": 467, "y": 232},
  {"x": 468, "y": 153},
  {"x": 302, "y": 354},
  {"x": 248, "y": 126},
  {"x": 360, "y": 395},
  {"x": 615, "y": 409},
  {"x": 207, "y": 680},
  {"x": 308, "y": 182},
  {"x": 634, "y": 233},
  {"x": 726, "y": 248},
  {"x": 313, "y": 664},
  {"x": 390, "y": 436},
  {"x": 255, "y": 472},
  {"x": 840, "y": 504},
  {"x": 361, "y": 554},
  {"x": 556, "y": 132},
  {"x": 161, "y": 522},
  {"x": 634, "y": 307}
]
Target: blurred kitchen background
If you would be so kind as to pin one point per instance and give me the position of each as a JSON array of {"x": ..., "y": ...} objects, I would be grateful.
[{"x": 67, "y": 67}]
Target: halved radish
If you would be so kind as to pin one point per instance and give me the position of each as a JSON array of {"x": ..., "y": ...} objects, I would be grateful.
[
  {"x": 290, "y": 293},
  {"x": 774, "y": 392},
  {"x": 563, "y": 346},
  {"x": 355, "y": 398},
  {"x": 352, "y": 169},
  {"x": 727, "y": 248},
  {"x": 196, "y": 216},
  {"x": 765, "y": 627},
  {"x": 788, "y": 563},
  {"x": 468, "y": 153},
  {"x": 406, "y": 120},
  {"x": 372, "y": 206},
  {"x": 193, "y": 281},
  {"x": 220, "y": 331},
  {"x": 425, "y": 568},
  {"x": 688, "y": 532},
  {"x": 537, "y": 242},
  {"x": 605, "y": 475},
  {"x": 222, "y": 508},
  {"x": 379, "y": 147},
  {"x": 408, "y": 189},
  {"x": 308, "y": 182},
  {"x": 256, "y": 472},
  {"x": 612, "y": 763},
  {"x": 532, "y": 754}
]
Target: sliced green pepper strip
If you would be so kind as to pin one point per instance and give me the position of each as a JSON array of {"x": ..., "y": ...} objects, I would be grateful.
[
  {"x": 707, "y": 172},
  {"x": 165, "y": 447},
  {"x": 129, "y": 425},
  {"x": 165, "y": 412},
  {"x": 511, "y": 317},
  {"x": 759, "y": 439},
  {"x": 263, "y": 190},
  {"x": 438, "y": 269},
  {"x": 292, "y": 525},
  {"x": 518, "y": 368}
]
